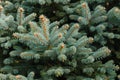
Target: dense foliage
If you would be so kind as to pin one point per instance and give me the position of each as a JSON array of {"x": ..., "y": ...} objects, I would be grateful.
[{"x": 59, "y": 39}]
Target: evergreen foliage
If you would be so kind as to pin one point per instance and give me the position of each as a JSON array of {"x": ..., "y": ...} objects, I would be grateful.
[
  {"x": 59, "y": 40},
  {"x": 97, "y": 22}
]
